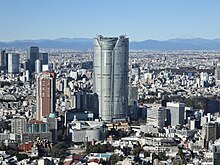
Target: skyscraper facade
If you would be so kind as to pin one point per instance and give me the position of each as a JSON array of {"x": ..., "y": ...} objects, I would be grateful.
[
  {"x": 110, "y": 65},
  {"x": 45, "y": 94},
  {"x": 13, "y": 63},
  {"x": 33, "y": 55},
  {"x": 4, "y": 60},
  {"x": 2, "y": 57},
  {"x": 44, "y": 58},
  {"x": 217, "y": 75},
  {"x": 160, "y": 118},
  {"x": 177, "y": 111},
  {"x": 38, "y": 66},
  {"x": 216, "y": 152}
]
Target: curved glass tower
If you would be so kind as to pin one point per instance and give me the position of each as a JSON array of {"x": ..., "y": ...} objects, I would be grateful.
[{"x": 110, "y": 65}]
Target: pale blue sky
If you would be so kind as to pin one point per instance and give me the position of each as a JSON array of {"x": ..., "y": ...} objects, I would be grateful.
[{"x": 138, "y": 19}]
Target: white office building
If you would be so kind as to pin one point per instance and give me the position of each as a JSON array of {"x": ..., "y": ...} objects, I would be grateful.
[{"x": 13, "y": 63}]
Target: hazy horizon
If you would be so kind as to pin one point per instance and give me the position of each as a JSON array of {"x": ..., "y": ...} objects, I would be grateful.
[{"x": 28, "y": 39}]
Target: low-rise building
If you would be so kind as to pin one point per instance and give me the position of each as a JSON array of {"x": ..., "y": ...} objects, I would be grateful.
[{"x": 84, "y": 131}]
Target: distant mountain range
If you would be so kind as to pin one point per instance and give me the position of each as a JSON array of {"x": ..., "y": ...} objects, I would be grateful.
[{"x": 86, "y": 44}]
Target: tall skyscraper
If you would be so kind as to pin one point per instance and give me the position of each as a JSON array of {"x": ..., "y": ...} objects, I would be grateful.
[
  {"x": 45, "y": 94},
  {"x": 44, "y": 58},
  {"x": 4, "y": 60},
  {"x": 110, "y": 65},
  {"x": 33, "y": 55},
  {"x": 2, "y": 57},
  {"x": 177, "y": 111},
  {"x": 217, "y": 75},
  {"x": 160, "y": 117},
  {"x": 13, "y": 63},
  {"x": 38, "y": 66}
]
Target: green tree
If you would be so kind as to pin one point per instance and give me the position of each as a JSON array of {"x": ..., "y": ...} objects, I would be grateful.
[
  {"x": 2, "y": 147},
  {"x": 162, "y": 155},
  {"x": 59, "y": 150},
  {"x": 21, "y": 156},
  {"x": 177, "y": 161},
  {"x": 146, "y": 154},
  {"x": 180, "y": 152},
  {"x": 137, "y": 150},
  {"x": 11, "y": 152},
  {"x": 99, "y": 148},
  {"x": 126, "y": 150},
  {"x": 115, "y": 158},
  {"x": 104, "y": 162},
  {"x": 154, "y": 156}
]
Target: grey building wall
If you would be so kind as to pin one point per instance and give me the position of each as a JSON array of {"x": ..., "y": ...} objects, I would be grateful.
[
  {"x": 133, "y": 108},
  {"x": 4, "y": 60},
  {"x": 86, "y": 101},
  {"x": 18, "y": 125},
  {"x": 217, "y": 75},
  {"x": 13, "y": 63},
  {"x": 44, "y": 58},
  {"x": 216, "y": 154},
  {"x": 85, "y": 135},
  {"x": 176, "y": 113},
  {"x": 79, "y": 115},
  {"x": 33, "y": 55},
  {"x": 110, "y": 65},
  {"x": 160, "y": 117},
  {"x": 38, "y": 66}
]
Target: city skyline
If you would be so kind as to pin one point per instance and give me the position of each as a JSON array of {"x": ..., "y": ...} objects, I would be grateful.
[{"x": 158, "y": 20}]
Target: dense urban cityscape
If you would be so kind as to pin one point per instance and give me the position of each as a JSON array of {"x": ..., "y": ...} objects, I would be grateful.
[
  {"x": 109, "y": 105},
  {"x": 109, "y": 82}
]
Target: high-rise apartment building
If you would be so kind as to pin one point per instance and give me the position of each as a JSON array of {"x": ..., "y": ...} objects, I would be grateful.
[
  {"x": 45, "y": 94},
  {"x": 110, "y": 65},
  {"x": 18, "y": 125},
  {"x": 13, "y": 63},
  {"x": 33, "y": 55}
]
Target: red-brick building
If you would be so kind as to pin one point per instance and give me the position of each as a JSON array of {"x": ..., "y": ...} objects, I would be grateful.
[{"x": 46, "y": 86}]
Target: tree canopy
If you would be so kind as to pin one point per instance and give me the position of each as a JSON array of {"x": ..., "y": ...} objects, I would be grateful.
[{"x": 59, "y": 150}]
